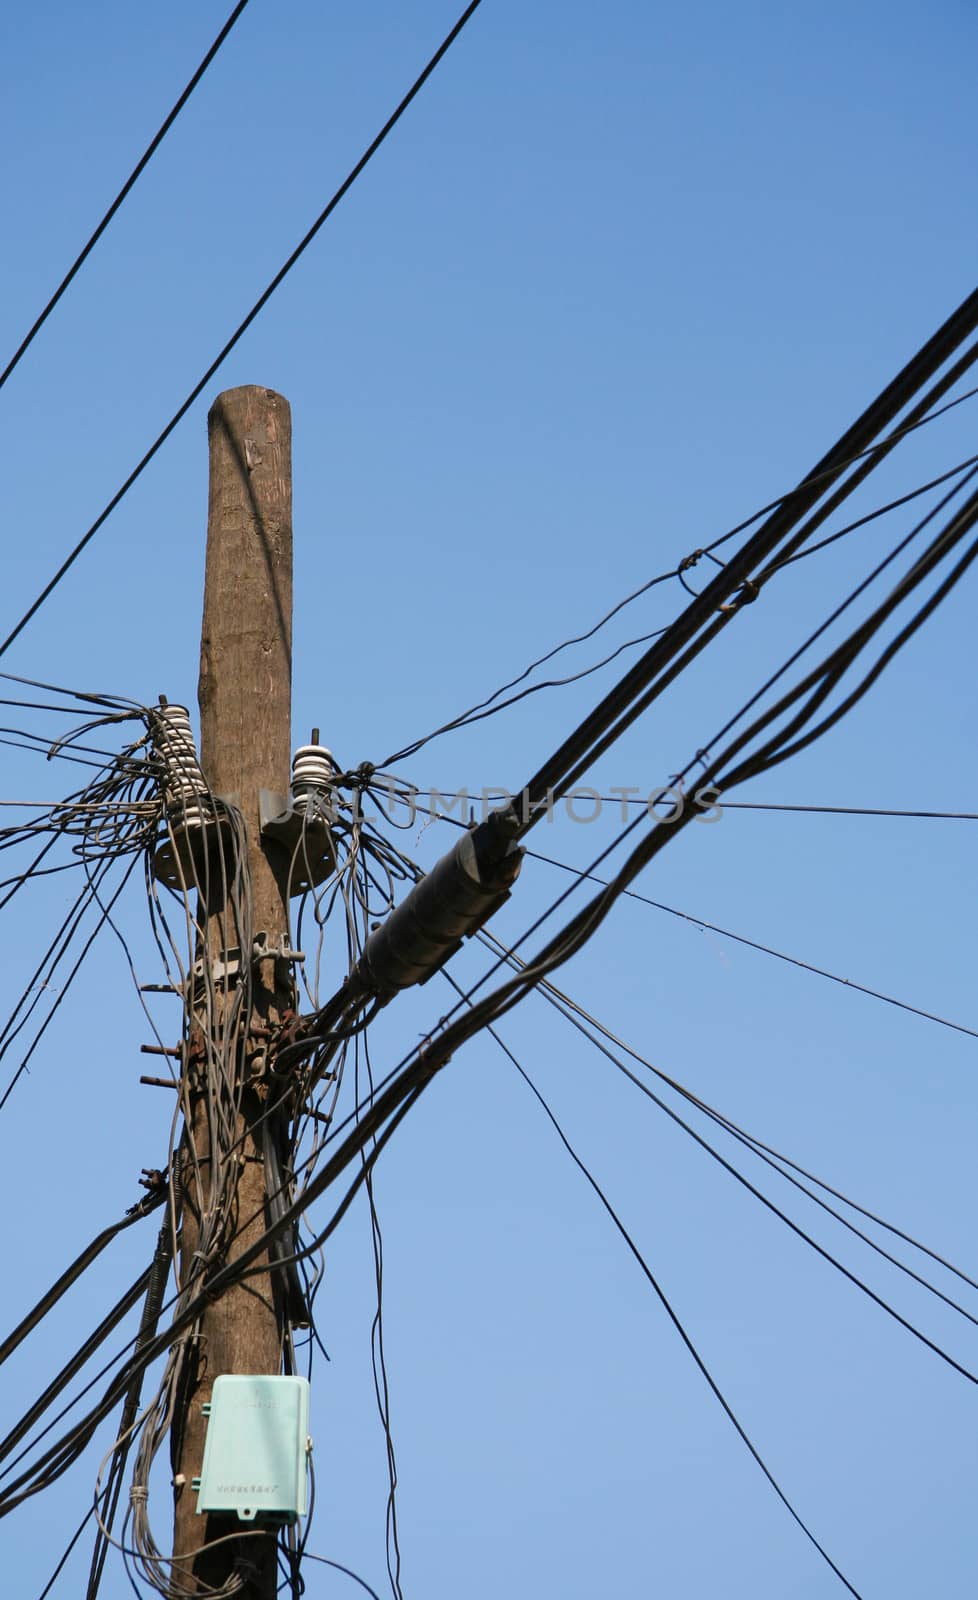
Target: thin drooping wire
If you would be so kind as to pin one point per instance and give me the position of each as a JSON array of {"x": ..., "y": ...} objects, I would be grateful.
[
  {"x": 667, "y": 1306},
  {"x": 111, "y": 818},
  {"x": 134, "y": 175},
  {"x": 86, "y": 1519},
  {"x": 766, "y": 1152},
  {"x": 721, "y": 804},
  {"x": 245, "y": 324},
  {"x": 564, "y": 1004},
  {"x": 821, "y": 679},
  {"x": 155, "y": 1294},
  {"x": 346, "y": 1571},
  {"x": 745, "y": 574},
  {"x": 489, "y": 707},
  {"x": 377, "y": 1346},
  {"x": 91, "y": 896},
  {"x": 853, "y": 811},
  {"x": 392, "y": 1103},
  {"x": 417, "y": 1069},
  {"x": 765, "y": 949},
  {"x": 404, "y": 793},
  {"x": 583, "y": 1021}
]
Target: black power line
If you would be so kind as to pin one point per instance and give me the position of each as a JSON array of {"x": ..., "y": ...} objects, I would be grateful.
[
  {"x": 773, "y": 542},
  {"x": 764, "y": 949},
  {"x": 493, "y": 704},
  {"x": 667, "y": 1307},
  {"x": 134, "y": 175},
  {"x": 245, "y": 324}
]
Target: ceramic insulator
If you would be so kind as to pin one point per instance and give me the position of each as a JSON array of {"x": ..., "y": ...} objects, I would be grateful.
[
  {"x": 313, "y": 775},
  {"x": 183, "y": 781}
]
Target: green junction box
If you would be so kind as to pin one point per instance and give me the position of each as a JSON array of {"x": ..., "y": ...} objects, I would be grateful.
[{"x": 256, "y": 1449}]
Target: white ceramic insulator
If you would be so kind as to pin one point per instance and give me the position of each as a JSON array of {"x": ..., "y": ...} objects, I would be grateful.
[
  {"x": 313, "y": 772},
  {"x": 183, "y": 781}
]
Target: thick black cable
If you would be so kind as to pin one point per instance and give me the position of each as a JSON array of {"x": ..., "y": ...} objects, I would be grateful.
[
  {"x": 246, "y": 322},
  {"x": 684, "y": 659},
  {"x": 86, "y": 1519},
  {"x": 97, "y": 1337},
  {"x": 492, "y": 705},
  {"x": 622, "y": 704},
  {"x": 403, "y": 1089},
  {"x": 81, "y": 1263},
  {"x": 134, "y": 175},
  {"x": 854, "y": 594},
  {"x": 822, "y": 680},
  {"x": 586, "y": 922},
  {"x": 584, "y": 925}
]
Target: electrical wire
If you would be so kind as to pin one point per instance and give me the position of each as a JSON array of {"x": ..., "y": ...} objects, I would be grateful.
[
  {"x": 244, "y": 325},
  {"x": 81, "y": 1263},
  {"x": 666, "y": 1305},
  {"x": 134, "y": 175},
  {"x": 764, "y": 949},
  {"x": 492, "y": 705},
  {"x": 779, "y": 536}
]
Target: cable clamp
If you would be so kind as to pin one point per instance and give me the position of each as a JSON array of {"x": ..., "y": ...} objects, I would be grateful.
[
  {"x": 220, "y": 970},
  {"x": 274, "y": 946},
  {"x": 745, "y": 596}
]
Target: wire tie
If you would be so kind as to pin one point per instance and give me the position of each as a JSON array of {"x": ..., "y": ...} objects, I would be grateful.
[
  {"x": 745, "y": 596},
  {"x": 690, "y": 561}
]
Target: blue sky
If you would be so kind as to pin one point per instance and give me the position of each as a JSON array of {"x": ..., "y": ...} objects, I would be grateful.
[{"x": 619, "y": 278}]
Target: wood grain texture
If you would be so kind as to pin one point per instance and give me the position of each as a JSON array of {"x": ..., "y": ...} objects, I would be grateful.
[{"x": 245, "y": 698}]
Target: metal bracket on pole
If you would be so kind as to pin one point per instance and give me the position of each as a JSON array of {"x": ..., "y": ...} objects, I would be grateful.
[
  {"x": 188, "y": 857},
  {"x": 304, "y": 833}
]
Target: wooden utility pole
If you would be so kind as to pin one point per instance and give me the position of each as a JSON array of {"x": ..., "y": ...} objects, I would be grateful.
[{"x": 245, "y": 698}]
